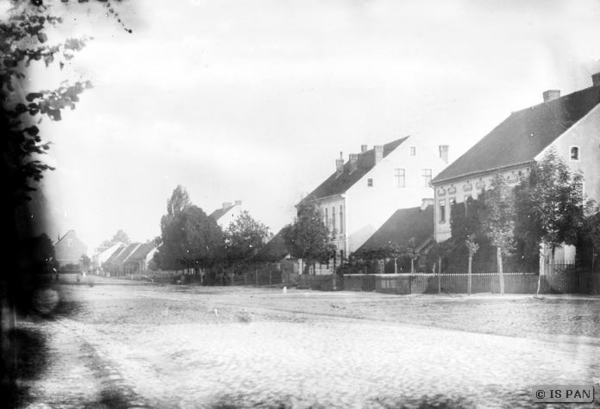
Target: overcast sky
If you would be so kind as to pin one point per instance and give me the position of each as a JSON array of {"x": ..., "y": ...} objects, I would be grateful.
[{"x": 254, "y": 100}]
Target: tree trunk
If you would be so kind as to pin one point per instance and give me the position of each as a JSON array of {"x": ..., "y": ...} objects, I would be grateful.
[
  {"x": 500, "y": 272},
  {"x": 439, "y": 275},
  {"x": 470, "y": 274}
]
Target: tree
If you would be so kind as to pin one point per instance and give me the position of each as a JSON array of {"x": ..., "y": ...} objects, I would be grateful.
[
  {"x": 308, "y": 238},
  {"x": 244, "y": 238},
  {"x": 499, "y": 220},
  {"x": 389, "y": 250},
  {"x": 178, "y": 201},
  {"x": 189, "y": 238},
  {"x": 551, "y": 208},
  {"x": 412, "y": 254},
  {"x": 472, "y": 248},
  {"x": 119, "y": 237}
]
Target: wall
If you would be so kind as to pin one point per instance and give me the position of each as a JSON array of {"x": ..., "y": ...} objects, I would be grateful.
[
  {"x": 460, "y": 189},
  {"x": 66, "y": 254},
  {"x": 369, "y": 207},
  {"x": 585, "y": 135}
]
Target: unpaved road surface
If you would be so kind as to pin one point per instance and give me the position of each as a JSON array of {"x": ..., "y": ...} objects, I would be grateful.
[{"x": 121, "y": 344}]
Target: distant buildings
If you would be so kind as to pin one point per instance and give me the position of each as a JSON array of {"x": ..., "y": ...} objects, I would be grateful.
[
  {"x": 568, "y": 124},
  {"x": 133, "y": 258}
]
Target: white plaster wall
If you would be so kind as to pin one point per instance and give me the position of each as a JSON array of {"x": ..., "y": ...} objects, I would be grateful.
[
  {"x": 442, "y": 230},
  {"x": 585, "y": 135},
  {"x": 369, "y": 207}
]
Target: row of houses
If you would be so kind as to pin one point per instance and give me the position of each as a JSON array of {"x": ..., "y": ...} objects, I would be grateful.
[{"x": 400, "y": 190}]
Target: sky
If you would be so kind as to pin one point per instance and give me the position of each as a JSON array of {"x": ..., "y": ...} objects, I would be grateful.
[{"x": 254, "y": 100}]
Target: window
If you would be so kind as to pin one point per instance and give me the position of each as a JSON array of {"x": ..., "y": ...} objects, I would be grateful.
[
  {"x": 370, "y": 182},
  {"x": 69, "y": 243},
  {"x": 574, "y": 153},
  {"x": 442, "y": 208},
  {"x": 333, "y": 219},
  {"x": 341, "y": 219},
  {"x": 426, "y": 174},
  {"x": 413, "y": 151},
  {"x": 452, "y": 204},
  {"x": 400, "y": 177}
]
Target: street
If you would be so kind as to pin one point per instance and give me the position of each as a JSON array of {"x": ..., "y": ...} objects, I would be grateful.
[{"x": 130, "y": 344}]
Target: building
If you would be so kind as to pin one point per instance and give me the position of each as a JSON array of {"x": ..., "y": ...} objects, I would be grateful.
[
  {"x": 103, "y": 254},
  {"x": 139, "y": 259},
  {"x": 129, "y": 259},
  {"x": 69, "y": 250},
  {"x": 398, "y": 230},
  {"x": 570, "y": 125},
  {"x": 227, "y": 214},
  {"x": 361, "y": 194}
]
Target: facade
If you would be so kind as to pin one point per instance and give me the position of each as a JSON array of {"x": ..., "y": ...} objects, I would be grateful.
[
  {"x": 570, "y": 125},
  {"x": 366, "y": 190},
  {"x": 227, "y": 214},
  {"x": 69, "y": 249}
]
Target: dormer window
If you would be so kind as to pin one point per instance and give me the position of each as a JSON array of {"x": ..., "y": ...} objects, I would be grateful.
[
  {"x": 370, "y": 182},
  {"x": 574, "y": 153},
  {"x": 413, "y": 151}
]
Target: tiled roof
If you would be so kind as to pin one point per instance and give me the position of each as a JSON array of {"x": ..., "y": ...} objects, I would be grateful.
[
  {"x": 523, "y": 135},
  {"x": 122, "y": 256},
  {"x": 217, "y": 214},
  {"x": 339, "y": 184},
  {"x": 275, "y": 249},
  {"x": 116, "y": 254},
  {"x": 141, "y": 252},
  {"x": 401, "y": 227}
]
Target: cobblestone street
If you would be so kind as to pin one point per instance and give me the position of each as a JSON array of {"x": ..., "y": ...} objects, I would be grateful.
[{"x": 131, "y": 345}]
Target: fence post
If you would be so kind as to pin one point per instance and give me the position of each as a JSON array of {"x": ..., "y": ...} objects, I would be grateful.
[
  {"x": 270, "y": 274},
  {"x": 256, "y": 275}
]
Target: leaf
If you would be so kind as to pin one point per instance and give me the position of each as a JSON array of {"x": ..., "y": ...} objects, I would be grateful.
[
  {"x": 33, "y": 95},
  {"x": 32, "y": 130}
]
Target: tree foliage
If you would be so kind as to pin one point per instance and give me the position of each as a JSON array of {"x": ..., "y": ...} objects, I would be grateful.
[
  {"x": 308, "y": 238},
  {"x": 189, "y": 238},
  {"x": 119, "y": 237},
  {"x": 244, "y": 238},
  {"x": 498, "y": 222},
  {"x": 551, "y": 205}
]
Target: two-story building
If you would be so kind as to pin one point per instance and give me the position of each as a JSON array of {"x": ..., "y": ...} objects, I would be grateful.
[
  {"x": 569, "y": 124},
  {"x": 362, "y": 193}
]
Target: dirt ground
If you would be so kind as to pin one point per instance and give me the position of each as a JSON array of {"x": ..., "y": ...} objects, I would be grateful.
[{"x": 127, "y": 344}]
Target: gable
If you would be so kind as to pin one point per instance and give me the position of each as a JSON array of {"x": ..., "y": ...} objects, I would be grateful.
[
  {"x": 523, "y": 135},
  {"x": 338, "y": 184}
]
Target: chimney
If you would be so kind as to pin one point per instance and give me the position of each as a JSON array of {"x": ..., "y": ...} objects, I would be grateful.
[
  {"x": 353, "y": 161},
  {"x": 226, "y": 205},
  {"x": 425, "y": 203},
  {"x": 238, "y": 202},
  {"x": 339, "y": 165},
  {"x": 596, "y": 79},
  {"x": 378, "y": 153},
  {"x": 444, "y": 153},
  {"x": 363, "y": 148},
  {"x": 551, "y": 94}
]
